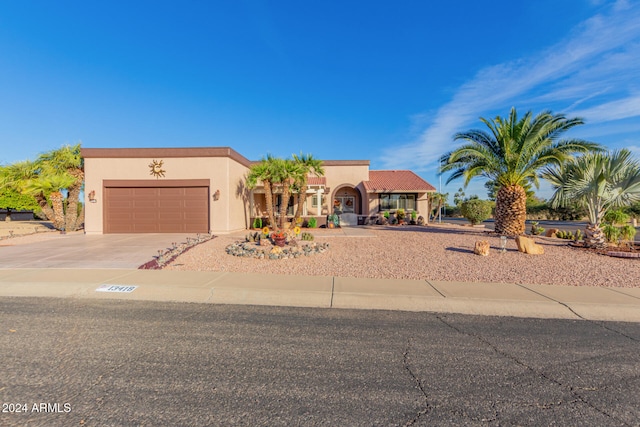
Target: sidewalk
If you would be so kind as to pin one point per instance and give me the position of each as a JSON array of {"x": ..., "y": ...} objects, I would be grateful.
[{"x": 537, "y": 301}]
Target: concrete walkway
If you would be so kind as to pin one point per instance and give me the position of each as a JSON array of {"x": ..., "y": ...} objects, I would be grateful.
[{"x": 539, "y": 301}]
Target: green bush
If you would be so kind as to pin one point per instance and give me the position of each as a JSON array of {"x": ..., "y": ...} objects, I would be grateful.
[
  {"x": 312, "y": 223},
  {"x": 627, "y": 233},
  {"x": 616, "y": 217},
  {"x": 476, "y": 210},
  {"x": 306, "y": 236},
  {"x": 257, "y": 223},
  {"x": 611, "y": 233}
]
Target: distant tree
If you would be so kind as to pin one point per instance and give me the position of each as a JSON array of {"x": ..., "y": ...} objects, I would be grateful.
[
  {"x": 12, "y": 200},
  {"x": 459, "y": 197}
]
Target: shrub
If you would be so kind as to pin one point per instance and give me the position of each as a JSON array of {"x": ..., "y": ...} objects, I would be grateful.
[
  {"x": 400, "y": 214},
  {"x": 306, "y": 236},
  {"x": 257, "y": 223},
  {"x": 312, "y": 223},
  {"x": 611, "y": 233},
  {"x": 616, "y": 217},
  {"x": 627, "y": 233},
  {"x": 476, "y": 210}
]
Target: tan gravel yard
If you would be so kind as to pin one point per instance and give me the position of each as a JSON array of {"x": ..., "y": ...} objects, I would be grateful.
[{"x": 435, "y": 252}]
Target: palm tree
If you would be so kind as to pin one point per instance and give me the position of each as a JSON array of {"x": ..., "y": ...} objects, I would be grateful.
[
  {"x": 276, "y": 175},
  {"x": 436, "y": 202},
  {"x": 67, "y": 160},
  {"x": 52, "y": 185},
  {"x": 599, "y": 181},
  {"x": 307, "y": 165},
  {"x": 512, "y": 155},
  {"x": 265, "y": 172},
  {"x": 290, "y": 171}
]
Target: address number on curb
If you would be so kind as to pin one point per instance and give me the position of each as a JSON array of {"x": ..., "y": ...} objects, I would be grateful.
[{"x": 116, "y": 288}]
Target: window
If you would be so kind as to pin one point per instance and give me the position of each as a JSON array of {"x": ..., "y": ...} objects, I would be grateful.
[
  {"x": 393, "y": 201},
  {"x": 290, "y": 206},
  {"x": 314, "y": 201}
]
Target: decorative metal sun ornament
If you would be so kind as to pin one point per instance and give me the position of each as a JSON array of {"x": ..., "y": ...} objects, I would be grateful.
[{"x": 156, "y": 169}]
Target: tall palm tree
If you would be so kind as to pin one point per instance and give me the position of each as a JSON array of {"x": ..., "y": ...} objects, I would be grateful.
[
  {"x": 289, "y": 172},
  {"x": 599, "y": 181},
  {"x": 265, "y": 172},
  {"x": 52, "y": 185},
  {"x": 512, "y": 154},
  {"x": 67, "y": 160},
  {"x": 307, "y": 165}
]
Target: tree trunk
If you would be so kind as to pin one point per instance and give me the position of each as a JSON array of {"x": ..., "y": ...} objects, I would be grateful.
[
  {"x": 268, "y": 196},
  {"x": 80, "y": 220},
  {"x": 71, "y": 216},
  {"x": 284, "y": 204},
  {"x": 58, "y": 210},
  {"x": 302, "y": 195},
  {"x": 594, "y": 237},
  {"x": 47, "y": 211},
  {"x": 511, "y": 210}
]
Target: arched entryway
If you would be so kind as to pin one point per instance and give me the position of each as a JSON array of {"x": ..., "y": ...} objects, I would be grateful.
[{"x": 347, "y": 203}]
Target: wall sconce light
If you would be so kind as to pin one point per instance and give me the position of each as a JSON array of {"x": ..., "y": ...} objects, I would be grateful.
[
  {"x": 216, "y": 195},
  {"x": 92, "y": 196}
]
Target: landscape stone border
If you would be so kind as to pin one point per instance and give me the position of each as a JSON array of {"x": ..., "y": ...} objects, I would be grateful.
[
  {"x": 294, "y": 250},
  {"x": 165, "y": 257}
]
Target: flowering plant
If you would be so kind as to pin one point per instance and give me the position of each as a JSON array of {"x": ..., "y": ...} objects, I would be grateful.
[
  {"x": 296, "y": 230},
  {"x": 278, "y": 235},
  {"x": 265, "y": 231}
]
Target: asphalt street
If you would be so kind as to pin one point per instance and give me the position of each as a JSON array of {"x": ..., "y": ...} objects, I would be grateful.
[{"x": 113, "y": 362}]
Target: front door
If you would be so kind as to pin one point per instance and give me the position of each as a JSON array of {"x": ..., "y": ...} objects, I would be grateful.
[{"x": 344, "y": 204}]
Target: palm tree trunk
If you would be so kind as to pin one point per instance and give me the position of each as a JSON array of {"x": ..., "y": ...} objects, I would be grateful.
[
  {"x": 79, "y": 220},
  {"x": 58, "y": 210},
  {"x": 44, "y": 206},
  {"x": 71, "y": 216},
  {"x": 302, "y": 195},
  {"x": 268, "y": 196},
  {"x": 511, "y": 210},
  {"x": 594, "y": 237},
  {"x": 284, "y": 204}
]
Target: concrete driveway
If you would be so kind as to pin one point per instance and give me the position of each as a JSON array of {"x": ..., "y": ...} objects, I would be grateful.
[{"x": 78, "y": 250}]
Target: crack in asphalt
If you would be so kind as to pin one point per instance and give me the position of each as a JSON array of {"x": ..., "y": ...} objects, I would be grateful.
[
  {"x": 407, "y": 367},
  {"x": 601, "y": 324},
  {"x": 570, "y": 388}
]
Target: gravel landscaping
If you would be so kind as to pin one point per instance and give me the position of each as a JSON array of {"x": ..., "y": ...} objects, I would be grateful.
[{"x": 435, "y": 252}]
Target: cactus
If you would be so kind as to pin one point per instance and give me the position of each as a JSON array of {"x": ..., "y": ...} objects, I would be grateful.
[{"x": 578, "y": 236}]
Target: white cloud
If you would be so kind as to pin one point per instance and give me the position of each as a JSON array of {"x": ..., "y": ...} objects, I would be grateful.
[
  {"x": 614, "y": 110},
  {"x": 595, "y": 68}
]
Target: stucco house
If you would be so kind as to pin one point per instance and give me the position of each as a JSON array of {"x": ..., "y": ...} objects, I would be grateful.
[{"x": 202, "y": 190}]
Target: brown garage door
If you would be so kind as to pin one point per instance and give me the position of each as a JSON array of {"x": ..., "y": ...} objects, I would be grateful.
[{"x": 156, "y": 210}]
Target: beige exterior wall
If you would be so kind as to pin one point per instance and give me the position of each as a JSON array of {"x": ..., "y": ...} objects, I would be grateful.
[
  {"x": 226, "y": 214},
  {"x": 225, "y": 171},
  {"x": 343, "y": 176}
]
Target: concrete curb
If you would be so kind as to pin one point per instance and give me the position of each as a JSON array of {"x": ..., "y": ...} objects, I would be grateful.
[{"x": 495, "y": 299}]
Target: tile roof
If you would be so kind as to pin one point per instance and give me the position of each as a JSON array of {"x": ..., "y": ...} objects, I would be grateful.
[
  {"x": 396, "y": 181},
  {"x": 316, "y": 180}
]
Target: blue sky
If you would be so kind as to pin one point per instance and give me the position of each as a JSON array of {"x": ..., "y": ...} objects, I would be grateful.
[{"x": 389, "y": 82}]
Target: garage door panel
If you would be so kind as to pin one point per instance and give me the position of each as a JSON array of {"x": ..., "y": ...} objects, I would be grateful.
[{"x": 156, "y": 210}]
